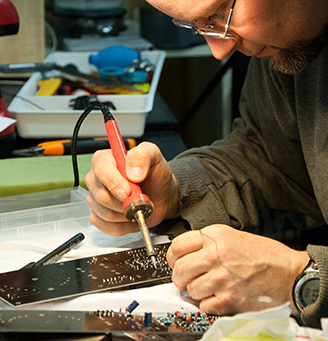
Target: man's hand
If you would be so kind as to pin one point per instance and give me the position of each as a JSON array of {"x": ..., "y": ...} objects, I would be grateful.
[
  {"x": 108, "y": 188},
  {"x": 228, "y": 270}
]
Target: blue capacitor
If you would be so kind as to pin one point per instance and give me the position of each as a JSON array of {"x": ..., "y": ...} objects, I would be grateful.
[
  {"x": 132, "y": 306},
  {"x": 148, "y": 319}
]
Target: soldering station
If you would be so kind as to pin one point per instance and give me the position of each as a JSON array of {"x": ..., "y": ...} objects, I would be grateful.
[
  {"x": 92, "y": 84},
  {"x": 96, "y": 87},
  {"x": 144, "y": 189}
]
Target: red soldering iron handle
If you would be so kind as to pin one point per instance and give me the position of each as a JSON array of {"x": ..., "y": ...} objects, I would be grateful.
[{"x": 119, "y": 152}]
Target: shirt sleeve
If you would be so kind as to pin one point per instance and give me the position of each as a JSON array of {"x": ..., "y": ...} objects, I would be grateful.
[
  {"x": 312, "y": 314},
  {"x": 255, "y": 179}
]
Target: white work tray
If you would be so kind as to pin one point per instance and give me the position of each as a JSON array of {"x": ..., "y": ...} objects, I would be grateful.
[
  {"x": 57, "y": 120},
  {"x": 33, "y": 216}
]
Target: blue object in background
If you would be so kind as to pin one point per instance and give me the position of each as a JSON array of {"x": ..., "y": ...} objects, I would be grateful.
[
  {"x": 137, "y": 76},
  {"x": 120, "y": 56}
]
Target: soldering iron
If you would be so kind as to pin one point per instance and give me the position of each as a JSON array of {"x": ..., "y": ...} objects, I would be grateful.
[{"x": 137, "y": 207}]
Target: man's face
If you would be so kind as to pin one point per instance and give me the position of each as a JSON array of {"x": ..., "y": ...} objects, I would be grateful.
[{"x": 289, "y": 33}]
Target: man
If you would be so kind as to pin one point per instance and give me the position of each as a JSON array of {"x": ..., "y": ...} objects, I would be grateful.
[{"x": 238, "y": 194}]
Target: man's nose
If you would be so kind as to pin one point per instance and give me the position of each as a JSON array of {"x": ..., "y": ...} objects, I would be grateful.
[{"x": 221, "y": 48}]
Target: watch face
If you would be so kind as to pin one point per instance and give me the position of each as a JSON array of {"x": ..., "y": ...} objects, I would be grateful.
[{"x": 310, "y": 291}]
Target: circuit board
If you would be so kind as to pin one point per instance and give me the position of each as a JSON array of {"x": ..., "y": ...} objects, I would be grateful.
[
  {"x": 52, "y": 321},
  {"x": 86, "y": 275}
]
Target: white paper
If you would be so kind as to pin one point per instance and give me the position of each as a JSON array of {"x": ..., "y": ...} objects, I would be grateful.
[
  {"x": 5, "y": 122},
  {"x": 270, "y": 323}
]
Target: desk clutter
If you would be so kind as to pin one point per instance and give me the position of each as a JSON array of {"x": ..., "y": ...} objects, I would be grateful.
[
  {"x": 50, "y": 102},
  {"x": 31, "y": 225},
  {"x": 86, "y": 290}
]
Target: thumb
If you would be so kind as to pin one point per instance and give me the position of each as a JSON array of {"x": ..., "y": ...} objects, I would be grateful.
[{"x": 137, "y": 163}]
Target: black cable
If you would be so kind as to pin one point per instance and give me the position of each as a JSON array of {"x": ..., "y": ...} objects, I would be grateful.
[
  {"x": 23, "y": 99},
  {"x": 107, "y": 115}
]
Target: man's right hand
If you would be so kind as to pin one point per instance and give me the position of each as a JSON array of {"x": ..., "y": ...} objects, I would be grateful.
[{"x": 146, "y": 166}]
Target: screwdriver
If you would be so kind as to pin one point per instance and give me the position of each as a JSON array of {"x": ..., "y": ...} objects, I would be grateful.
[
  {"x": 137, "y": 207},
  {"x": 64, "y": 147}
]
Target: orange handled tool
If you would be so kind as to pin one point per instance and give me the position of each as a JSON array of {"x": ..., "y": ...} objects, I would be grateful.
[{"x": 64, "y": 147}]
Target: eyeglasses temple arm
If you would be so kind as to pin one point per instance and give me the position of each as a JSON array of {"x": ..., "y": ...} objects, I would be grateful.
[{"x": 229, "y": 18}]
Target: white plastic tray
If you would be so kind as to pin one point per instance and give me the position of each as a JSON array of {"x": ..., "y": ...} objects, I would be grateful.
[
  {"x": 58, "y": 119},
  {"x": 34, "y": 216}
]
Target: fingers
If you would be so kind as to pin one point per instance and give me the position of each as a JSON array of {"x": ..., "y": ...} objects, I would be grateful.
[
  {"x": 137, "y": 165},
  {"x": 105, "y": 177},
  {"x": 182, "y": 245},
  {"x": 222, "y": 305},
  {"x": 225, "y": 269},
  {"x": 197, "y": 268},
  {"x": 140, "y": 159},
  {"x": 108, "y": 188},
  {"x": 208, "y": 283},
  {"x": 113, "y": 229},
  {"x": 186, "y": 269},
  {"x": 109, "y": 209},
  {"x": 190, "y": 260}
]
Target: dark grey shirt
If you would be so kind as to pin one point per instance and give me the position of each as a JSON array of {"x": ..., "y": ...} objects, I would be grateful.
[{"x": 271, "y": 171}]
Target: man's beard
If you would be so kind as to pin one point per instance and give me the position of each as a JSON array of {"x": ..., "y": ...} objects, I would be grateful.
[{"x": 292, "y": 60}]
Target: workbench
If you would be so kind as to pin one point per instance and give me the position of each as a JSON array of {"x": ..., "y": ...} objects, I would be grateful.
[
  {"x": 46, "y": 220},
  {"x": 35, "y": 174},
  {"x": 43, "y": 174}
]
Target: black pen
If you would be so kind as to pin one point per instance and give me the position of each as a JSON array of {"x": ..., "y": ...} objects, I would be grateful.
[{"x": 54, "y": 255}]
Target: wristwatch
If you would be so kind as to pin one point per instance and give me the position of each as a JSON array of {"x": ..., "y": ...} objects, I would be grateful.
[{"x": 306, "y": 286}]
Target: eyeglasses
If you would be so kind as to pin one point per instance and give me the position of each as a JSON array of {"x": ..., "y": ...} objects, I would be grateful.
[{"x": 209, "y": 30}]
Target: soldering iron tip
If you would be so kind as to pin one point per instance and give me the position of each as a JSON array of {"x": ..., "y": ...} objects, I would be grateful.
[{"x": 153, "y": 259}]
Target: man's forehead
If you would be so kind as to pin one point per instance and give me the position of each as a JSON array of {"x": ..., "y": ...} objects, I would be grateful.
[{"x": 187, "y": 9}]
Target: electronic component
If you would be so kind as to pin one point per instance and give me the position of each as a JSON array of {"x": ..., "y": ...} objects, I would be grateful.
[
  {"x": 92, "y": 274},
  {"x": 117, "y": 323},
  {"x": 148, "y": 319},
  {"x": 133, "y": 305}
]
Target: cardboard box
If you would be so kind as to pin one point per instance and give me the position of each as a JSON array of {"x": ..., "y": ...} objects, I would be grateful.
[{"x": 29, "y": 44}]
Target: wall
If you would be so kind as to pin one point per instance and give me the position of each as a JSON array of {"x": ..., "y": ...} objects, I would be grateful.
[
  {"x": 182, "y": 81},
  {"x": 29, "y": 44}
]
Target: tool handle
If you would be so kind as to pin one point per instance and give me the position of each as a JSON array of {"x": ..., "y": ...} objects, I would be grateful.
[
  {"x": 119, "y": 153},
  {"x": 26, "y": 67},
  {"x": 88, "y": 146},
  {"x": 54, "y": 255}
]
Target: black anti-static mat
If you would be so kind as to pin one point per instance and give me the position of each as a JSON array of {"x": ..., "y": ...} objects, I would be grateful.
[{"x": 85, "y": 275}]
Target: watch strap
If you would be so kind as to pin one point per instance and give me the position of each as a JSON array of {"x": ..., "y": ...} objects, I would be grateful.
[
  {"x": 312, "y": 314},
  {"x": 309, "y": 273}
]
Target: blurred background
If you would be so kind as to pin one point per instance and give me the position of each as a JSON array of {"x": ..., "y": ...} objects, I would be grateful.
[{"x": 202, "y": 99}]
